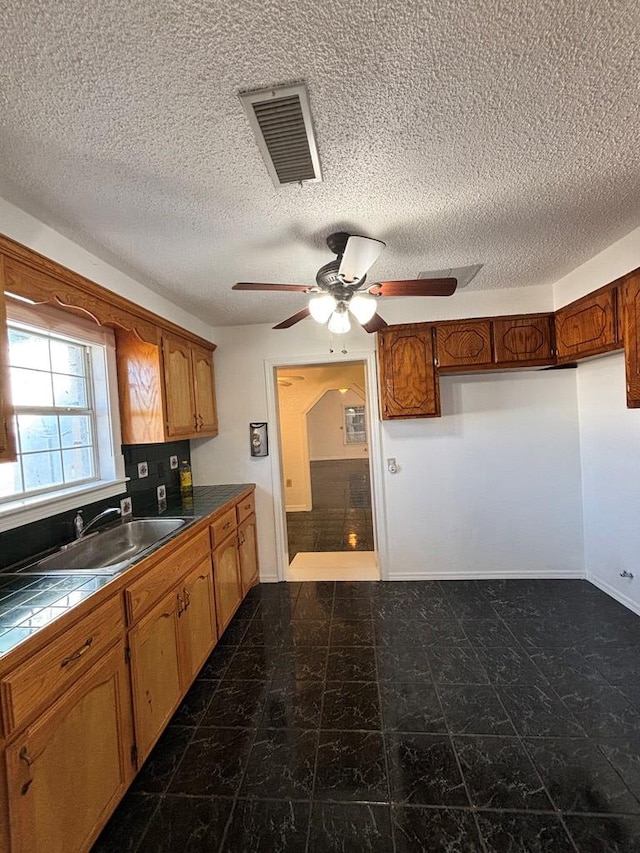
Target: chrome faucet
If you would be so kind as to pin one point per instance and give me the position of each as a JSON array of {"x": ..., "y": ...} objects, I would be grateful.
[{"x": 82, "y": 529}]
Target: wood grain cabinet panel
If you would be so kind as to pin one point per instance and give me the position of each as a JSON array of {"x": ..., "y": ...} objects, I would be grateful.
[
  {"x": 67, "y": 771},
  {"x": 523, "y": 340},
  {"x": 180, "y": 394},
  {"x": 197, "y": 620},
  {"x": 463, "y": 344},
  {"x": 587, "y": 326},
  {"x": 204, "y": 391},
  {"x": 248, "y": 553},
  {"x": 408, "y": 382},
  {"x": 227, "y": 583},
  {"x": 630, "y": 299},
  {"x": 7, "y": 438}
]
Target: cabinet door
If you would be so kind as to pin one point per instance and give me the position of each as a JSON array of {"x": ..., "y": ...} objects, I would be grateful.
[
  {"x": 197, "y": 620},
  {"x": 205, "y": 393},
  {"x": 630, "y": 293},
  {"x": 68, "y": 770},
  {"x": 248, "y": 553},
  {"x": 7, "y": 440},
  {"x": 463, "y": 344},
  {"x": 178, "y": 380},
  {"x": 226, "y": 581},
  {"x": 523, "y": 340},
  {"x": 140, "y": 389},
  {"x": 587, "y": 326},
  {"x": 155, "y": 671},
  {"x": 408, "y": 383}
]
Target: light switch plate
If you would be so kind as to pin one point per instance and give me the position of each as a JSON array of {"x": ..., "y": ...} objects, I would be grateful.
[
  {"x": 173, "y": 462},
  {"x": 143, "y": 469}
]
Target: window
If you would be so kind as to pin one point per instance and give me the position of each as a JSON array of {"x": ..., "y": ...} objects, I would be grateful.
[
  {"x": 62, "y": 381},
  {"x": 355, "y": 428}
]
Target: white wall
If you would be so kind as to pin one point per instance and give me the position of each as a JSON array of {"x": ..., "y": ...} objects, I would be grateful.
[
  {"x": 610, "y": 441},
  {"x": 325, "y": 423}
]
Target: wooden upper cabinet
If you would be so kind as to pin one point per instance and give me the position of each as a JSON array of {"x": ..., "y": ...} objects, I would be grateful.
[
  {"x": 463, "y": 344},
  {"x": 524, "y": 340},
  {"x": 630, "y": 302},
  {"x": 180, "y": 394},
  {"x": 408, "y": 382},
  {"x": 204, "y": 389},
  {"x": 587, "y": 326},
  {"x": 7, "y": 440}
]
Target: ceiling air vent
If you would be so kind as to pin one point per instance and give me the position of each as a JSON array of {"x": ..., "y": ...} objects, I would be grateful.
[{"x": 281, "y": 120}]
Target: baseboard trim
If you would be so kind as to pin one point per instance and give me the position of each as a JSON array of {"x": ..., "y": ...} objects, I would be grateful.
[
  {"x": 269, "y": 578},
  {"x": 298, "y": 508},
  {"x": 620, "y": 597},
  {"x": 532, "y": 574}
]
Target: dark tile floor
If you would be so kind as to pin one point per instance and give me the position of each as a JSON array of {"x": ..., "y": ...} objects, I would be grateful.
[
  {"x": 341, "y": 516},
  {"x": 396, "y": 717}
]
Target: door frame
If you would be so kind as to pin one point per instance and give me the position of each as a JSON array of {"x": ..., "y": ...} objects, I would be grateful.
[{"x": 378, "y": 509}]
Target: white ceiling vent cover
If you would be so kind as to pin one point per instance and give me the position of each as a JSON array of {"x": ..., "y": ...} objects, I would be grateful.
[{"x": 281, "y": 121}]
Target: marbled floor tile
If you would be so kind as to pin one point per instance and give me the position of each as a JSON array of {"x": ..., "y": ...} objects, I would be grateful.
[
  {"x": 617, "y": 665},
  {"x": 624, "y": 755},
  {"x": 499, "y": 774},
  {"x": 293, "y": 704},
  {"x": 310, "y": 632},
  {"x": 507, "y": 665},
  {"x": 266, "y": 632},
  {"x": 488, "y": 632},
  {"x": 127, "y": 825},
  {"x": 601, "y": 710},
  {"x": 351, "y": 705},
  {"x": 356, "y": 589},
  {"x": 351, "y": 632},
  {"x": 234, "y": 632},
  {"x": 350, "y": 828},
  {"x": 351, "y": 766},
  {"x": 421, "y": 609},
  {"x": 351, "y": 663},
  {"x": 604, "y": 834},
  {"x": 411, "y": 707},
  {"x": 158, "y": 769},
  {"x": 423, "y": 770},
  {"x": 409, "y": 633},
  {"x": 260, "y": 826},
  {"x": 213, "y": 763},
  {"x": 420, "y": 830},
  {"x": 352, "y": 608},
  {"x": 236, "y": 704},
  {"x": 303, "y": 663},
  {"x": 218, "y": 662},
  {"x": 538, "y": 712},
  {"x": 195, "y": 703},
  {"x": 631, "y": 692},
  {"x": 313, "y": 608},
  {"x": 187, "y": 824},
  {"x": 281, "y": 765},
  {"x": 563, "y": 664},
  {"x": 474, "y": 709},
  {"x": 541, "y": 633},
  {"x": 505, "y": 832},
  {"x": 317, "y": 589},
  {"x": 456, "y": 665},
  {"x": 257, "y": 664},
  {"x": 403, "y": 664},
  {"x": 579, "y": 778}
]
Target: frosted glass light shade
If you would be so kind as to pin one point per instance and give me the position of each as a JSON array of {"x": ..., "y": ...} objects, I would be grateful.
[
  {"x": 339, "y": 322},
  {"x": 362, "y": 307},
  {"x": 322, "y": 307},
  {"x": 359, "y": 255}
]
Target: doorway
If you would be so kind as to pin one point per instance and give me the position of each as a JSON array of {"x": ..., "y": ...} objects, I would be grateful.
[{"x": 325, "y": 471}]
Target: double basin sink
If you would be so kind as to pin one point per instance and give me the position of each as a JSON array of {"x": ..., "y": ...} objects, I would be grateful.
[{"x": 108, "y": 551}]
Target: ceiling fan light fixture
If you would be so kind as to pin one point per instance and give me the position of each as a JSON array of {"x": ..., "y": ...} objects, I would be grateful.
[
  {"x": 322, "y": 307},
  {"x": 339, "y": 322},
  {"x": 359, "y": 255},
  {"x": 363, "y": 307}
]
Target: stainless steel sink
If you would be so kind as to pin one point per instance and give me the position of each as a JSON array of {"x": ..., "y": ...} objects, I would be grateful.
[{"x": 107, "y": 551}]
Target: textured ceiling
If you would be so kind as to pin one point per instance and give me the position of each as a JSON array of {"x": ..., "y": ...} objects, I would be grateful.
[{"x": 460, "y": 132}]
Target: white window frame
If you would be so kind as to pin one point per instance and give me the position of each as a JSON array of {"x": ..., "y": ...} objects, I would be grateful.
[
  {"x": 108, "y": 442},
  {"x": 345, "y": 421}
]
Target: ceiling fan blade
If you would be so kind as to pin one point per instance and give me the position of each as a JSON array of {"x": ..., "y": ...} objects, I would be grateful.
[
  {"x": 291, "y": 321},
  {"x": 374, "y": 324},
  {"x": 252, "y": 285},
  {"x": 359, "y": 255},
  {"x": 415, "y": 287}
]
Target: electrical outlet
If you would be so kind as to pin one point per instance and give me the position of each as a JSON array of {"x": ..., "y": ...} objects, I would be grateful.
[
  {"x": 126, "y": 507},
  {"x": 392, "y": 465},
  {"x": 173, "y": 462},
  {"x": 161, "y": 491},
  {"x": 143, "y": 469},
  {"x": 289, "y": 483}
]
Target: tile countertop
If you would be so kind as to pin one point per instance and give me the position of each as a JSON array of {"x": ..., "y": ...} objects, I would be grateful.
[{"x": 28, "y": 603}]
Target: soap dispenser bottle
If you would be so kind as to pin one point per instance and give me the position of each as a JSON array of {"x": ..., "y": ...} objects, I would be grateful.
[{"x": 186, "y": 480}]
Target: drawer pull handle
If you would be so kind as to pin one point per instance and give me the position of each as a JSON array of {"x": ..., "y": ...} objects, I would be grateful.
[
  {"x": 23, "y": 755},
  {"x": 26, "y": 787},
  {"x": 77, "y": 654},
  {"x": 247, "y": 506},
  {"x": 181, "y": 605},
  {"x": 225, "y": 526},
  {"x": 187, "y": 597}
]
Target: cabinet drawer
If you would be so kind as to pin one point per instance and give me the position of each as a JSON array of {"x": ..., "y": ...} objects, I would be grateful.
[
  {"x": 245, "y": 508},
  {"x": 32, "y": 686},
  {"x": 221, "y": 528},
  {"x": 147, "y": 590}
]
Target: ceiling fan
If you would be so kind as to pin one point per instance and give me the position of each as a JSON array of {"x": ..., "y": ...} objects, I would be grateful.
[{"x": 341, "y": 287}]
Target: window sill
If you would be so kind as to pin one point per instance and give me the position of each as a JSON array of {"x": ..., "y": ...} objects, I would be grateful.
[{"x": 26, "y": 510}]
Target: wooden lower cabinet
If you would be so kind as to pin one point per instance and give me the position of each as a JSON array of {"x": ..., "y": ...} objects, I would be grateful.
[
  {"x": 197, "y": 621},
  {"x": 68, "y": 770},
  {"x": 155, "y": 671},
  {"x": 226, "y": 580},
  {"x": 248, "y": 553}
]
